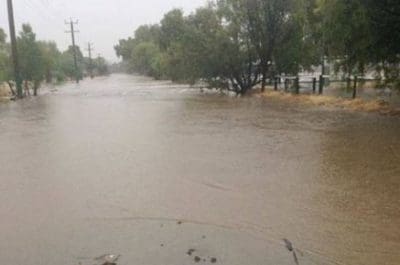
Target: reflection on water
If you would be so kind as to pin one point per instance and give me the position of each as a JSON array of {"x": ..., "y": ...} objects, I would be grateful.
[{"x": 113, "y": 164}]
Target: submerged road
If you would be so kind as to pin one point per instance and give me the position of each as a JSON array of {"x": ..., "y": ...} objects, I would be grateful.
[{"x": 163, "y": 174}]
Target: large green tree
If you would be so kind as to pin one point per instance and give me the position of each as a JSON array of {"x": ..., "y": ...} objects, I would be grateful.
[
  {"x": 384, "y": 18},
  {"x": 30, "y": 58},
  {"x": 266, "y": 22},
  {"x": 4, "y": 58},
  {"x": 100, "y": 66},
  {"x": 346, "y": 34},
  {"x": 142, "y": 53},
  {"x": 237, "y": 44},
  {"x": 51, "y": 58},
  {"x": 384, "y": 22},
  {"x": 67, "y": 64}
]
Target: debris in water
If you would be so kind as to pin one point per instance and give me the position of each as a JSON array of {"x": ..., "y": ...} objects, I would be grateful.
[
  {"x": 190, "y": 251},
  {"x": 290, "y": 247},
  {"x": 107, "y": 259},
  {"x": 179, "y": 222},
  {"x": 288, "y": 244},
  {"x": 295, "y": 258},
  {"x": 197, "y": 259},
  {"x": 213, "y": 260}
]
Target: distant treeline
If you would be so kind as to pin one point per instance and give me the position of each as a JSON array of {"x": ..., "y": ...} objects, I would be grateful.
[
  {"x": 42, "y": 61},
  {"x": 237, "y": 44}
]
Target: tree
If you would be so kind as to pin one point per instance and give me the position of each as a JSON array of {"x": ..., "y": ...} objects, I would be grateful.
[
  {"x": 237, "y": 44},
  {"x": 204, "y": 47},
  {"x": 141, "y": 53},
  {"x": 149, "y": 33},
  {"x": 30, "y": 57},
  {"x": 172, "y": 28},
  {"x": 384, "y": 18},
  {"x": 5, "y": 71},
  {"x": 289, "y": 55},
  {"x": 144, "y": 56},
  {"x": 384, "y": 22},
  {"x": 346, "y": 35},
  {"x": 100, "y": 66},
  {"x": 51, "y": 58},
  {"x": 196, "y": 47},
  {"x": 267, "y": 21},
  {"x": 3, "y": 37},
  {"x": 243, "y": 63},
  {"x": 67, "y": 65}
]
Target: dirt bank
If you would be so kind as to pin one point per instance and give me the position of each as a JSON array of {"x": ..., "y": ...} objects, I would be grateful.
[{"x": 378, "y": 106}]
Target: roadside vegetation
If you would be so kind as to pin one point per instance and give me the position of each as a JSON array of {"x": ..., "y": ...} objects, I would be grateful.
[
  {"x": 239, "y": 44},
  {"x": 42, "y": 62},
  {"x": 360, "y": 105}
]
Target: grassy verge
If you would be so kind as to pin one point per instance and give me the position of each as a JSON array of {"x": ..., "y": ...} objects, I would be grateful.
[{"x": 378, "y": 106}]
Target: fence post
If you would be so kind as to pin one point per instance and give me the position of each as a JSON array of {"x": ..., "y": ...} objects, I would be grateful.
[
  {"x": 355, "y": 87},
  {"x": 348, "y": 81},
  {"x": 297, "y": 85},
  {"x": 321, "y": 85},
  {"x": 314, "y": 85},
  {"x": 276, "y": 84},
  {"x": 286, "y": 84}
]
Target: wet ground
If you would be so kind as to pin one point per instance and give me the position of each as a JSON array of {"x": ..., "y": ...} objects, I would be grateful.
[{"x": 163, "y": 174}]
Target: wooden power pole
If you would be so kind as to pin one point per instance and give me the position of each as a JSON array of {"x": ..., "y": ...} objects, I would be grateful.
[
  {"x": 90, "y": 49},
  {"x": 72, "y": 31},
  {"x": 14, "y": 51}
]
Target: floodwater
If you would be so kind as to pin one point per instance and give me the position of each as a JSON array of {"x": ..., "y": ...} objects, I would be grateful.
[{"x": 163, "y": 174}]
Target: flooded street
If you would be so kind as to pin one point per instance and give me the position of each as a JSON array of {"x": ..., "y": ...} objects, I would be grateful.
[{"x": 151, "y": 170}]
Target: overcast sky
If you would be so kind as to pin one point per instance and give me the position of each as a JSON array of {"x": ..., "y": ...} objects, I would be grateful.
[{"x": 102, "y": 22}]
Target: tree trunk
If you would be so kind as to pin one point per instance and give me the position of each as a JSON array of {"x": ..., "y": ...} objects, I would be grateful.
[
  {"x": 11, "y": 88},
  {"x": 48, "y": 76},
  {"x": 27, "y": 88},
  {"x": 35, "y": 88},
  {"x": 348, "y": 83},
  {"x": 355, "y": 87},
  {"x": 263, "y": 78},
  {"x": 263, "y": 82}
]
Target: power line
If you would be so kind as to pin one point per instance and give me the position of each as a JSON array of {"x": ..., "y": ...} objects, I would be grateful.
[
  {"x": 73, "y": 31},
  {"x": 17, "y": 73},
  {"x": 90, "y": 49},
  {"x": 48, "y": 15}
]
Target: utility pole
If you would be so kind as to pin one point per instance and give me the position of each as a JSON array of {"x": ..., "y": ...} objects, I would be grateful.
[
  {"x": 14, "y": 52},
  {"x": 90, "y": 49},
  {"x": 72, "y": 31}
]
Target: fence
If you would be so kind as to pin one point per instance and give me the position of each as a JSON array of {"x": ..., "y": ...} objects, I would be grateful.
[{"x": 316, "y": 85}]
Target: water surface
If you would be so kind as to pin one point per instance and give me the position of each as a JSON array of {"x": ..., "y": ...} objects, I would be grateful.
[{"x": 149, "y": 169}]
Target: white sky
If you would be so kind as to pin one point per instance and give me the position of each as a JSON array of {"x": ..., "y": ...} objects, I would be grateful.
[{"x": 102, "y": 22}]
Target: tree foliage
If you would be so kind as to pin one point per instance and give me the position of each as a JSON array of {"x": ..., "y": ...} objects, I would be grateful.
[
  {"x": 41, "y": 61},
  {"x": 4, "y": 58},
  {"x": 31, "y": 60},
  {"x": 237, "y": 44}
]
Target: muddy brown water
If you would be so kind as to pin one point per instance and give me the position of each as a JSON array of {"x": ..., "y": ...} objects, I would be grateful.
[{"x": 151, "y": 170}]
